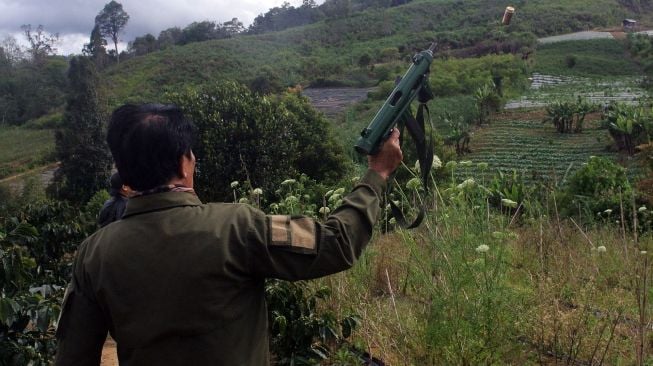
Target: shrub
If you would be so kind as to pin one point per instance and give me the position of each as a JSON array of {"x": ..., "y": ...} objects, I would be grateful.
[
  {"x": 259, "y": 140},
  {"x": 598, "y": 186},
  {"x": 570, "y": 61}
]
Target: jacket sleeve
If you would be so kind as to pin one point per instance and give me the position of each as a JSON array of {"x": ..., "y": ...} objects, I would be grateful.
[
  {"x": 298, "y": 247},
  {"x": 81, "y": 328}
]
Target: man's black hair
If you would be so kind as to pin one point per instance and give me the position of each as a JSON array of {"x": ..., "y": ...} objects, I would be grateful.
[
  {"x": 147, "y": 142},
  {"x": 115, "y": 184}
]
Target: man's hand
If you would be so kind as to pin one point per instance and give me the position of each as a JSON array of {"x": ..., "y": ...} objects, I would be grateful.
[{"x": 388, "y": 158}]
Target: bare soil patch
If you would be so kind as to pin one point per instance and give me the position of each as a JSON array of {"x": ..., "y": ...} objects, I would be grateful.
[{"x": 333, "y": 101}]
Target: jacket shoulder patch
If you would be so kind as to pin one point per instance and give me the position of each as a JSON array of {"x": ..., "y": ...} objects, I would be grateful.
[{"x": 294, "y": 232}]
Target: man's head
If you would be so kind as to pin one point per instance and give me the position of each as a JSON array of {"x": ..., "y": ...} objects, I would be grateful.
[
  {"x": 116, "y": 186},
  {"x": 150, "y": 144}
]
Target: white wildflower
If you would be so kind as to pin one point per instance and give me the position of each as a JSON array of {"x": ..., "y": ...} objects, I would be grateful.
[
  {"x": 324, "y": 210},
  {"x": 482, "y": 248},
  {"x": 601, "y": 249},
  {"x": 482, "y": 166},
  {"x": 334, "y": 197},
  {"x": 642, "y": 209},
  {"x": 234, "y": 184},
  {"x": 643, "y": 252},
  {"x": 608, "y": 211},
  {"x": 328, "y": 193},
  {"x": 417, "y": 167},
  {"x": 243, "y": 200},
  {"x": 467, "y": 183},
  {"x": 451, "y": 164},
  {"x": 291, "y": 200},
  {"x": 257, "y": 191},
  {"x": 355, "y": 179},
  {"x": 288, "y": 182},
  {"x": 437, "y": 163},
  {"x": 339, "y": 191},
  {"x": 392, "y": 221},
  {"x": 508, "y": 203}
]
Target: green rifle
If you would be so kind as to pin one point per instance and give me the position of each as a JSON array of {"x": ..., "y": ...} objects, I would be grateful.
[
  {"x": 396, "y": 112},
  {"x": 414, "y": 83}
]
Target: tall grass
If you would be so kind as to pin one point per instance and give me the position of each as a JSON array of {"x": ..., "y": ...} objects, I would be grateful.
[{"x": 477, "y": 284}]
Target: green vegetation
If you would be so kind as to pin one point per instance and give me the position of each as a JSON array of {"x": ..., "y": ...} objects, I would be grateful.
[
  {"x": 80, "y": 143},
  {"x": 331, "y": 49},
  {"x": 536, "y": 248},
  {"x": 591, "y": 58},
  {"x": 261, "y": 140},
  {"x": 23, "y": 149},
  {"x": 533, "y": 149}
]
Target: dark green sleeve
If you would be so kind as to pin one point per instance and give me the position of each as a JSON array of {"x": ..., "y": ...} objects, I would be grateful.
[
  {"x": 298, "y": 247},
  {"x": 81, "y": 329}
]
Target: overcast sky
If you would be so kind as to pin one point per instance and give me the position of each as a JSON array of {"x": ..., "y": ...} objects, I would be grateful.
[{"x": 74, "y": 19}]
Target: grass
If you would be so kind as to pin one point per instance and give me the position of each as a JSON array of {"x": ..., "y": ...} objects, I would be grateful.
[
  {"x": 543, "y": 293},
  {"x": 601, "y": 58},
  {"x": 22, "y": 149}
]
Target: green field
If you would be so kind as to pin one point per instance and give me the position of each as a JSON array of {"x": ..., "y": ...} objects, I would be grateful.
[
  {"x": 533, "y": 148},
  {"x": 22, "y": 149},
  {"x": 593, "y": 58}
]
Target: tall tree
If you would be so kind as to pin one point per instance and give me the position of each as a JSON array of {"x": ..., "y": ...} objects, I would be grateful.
[
  {"x": 233, "y": 27},
  {"x": 42, "y": 44},
  {"x": 80, "y": 145},
  {"x": 96, "y": 48},
  {"x": 111, "y": 21}
]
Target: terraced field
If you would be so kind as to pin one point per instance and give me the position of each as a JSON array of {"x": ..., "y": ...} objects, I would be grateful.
[
  {"x": 519, "y": 141},
  {"x": 23, "y": 149}
]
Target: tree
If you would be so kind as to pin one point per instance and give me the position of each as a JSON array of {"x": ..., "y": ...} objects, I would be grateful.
[
  {"x": 111, "y": 21},
  {"x": 143, "y": 45},
  {"x": 41, "y": 43},
  {"x": 80, "y": 145},
  {"x": 233, "y": 26},
  {"x": 11, "y": 51},
  {"x": 263, "y": 140},
  {"x": 96, "y": 48},
  {"x": 169, "y": 37}
]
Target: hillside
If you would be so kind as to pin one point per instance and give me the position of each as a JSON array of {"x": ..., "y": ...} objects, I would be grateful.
[{"x": 331, "y": 50}]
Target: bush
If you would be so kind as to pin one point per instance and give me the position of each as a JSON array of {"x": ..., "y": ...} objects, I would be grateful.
[
  {"x": 598, "y": 186},
  {"x": 259, "y": 140},
  {"x": 570, "y": 61}
]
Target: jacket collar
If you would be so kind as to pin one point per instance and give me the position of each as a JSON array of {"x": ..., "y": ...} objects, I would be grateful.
[{"x": 160, "y": 201}]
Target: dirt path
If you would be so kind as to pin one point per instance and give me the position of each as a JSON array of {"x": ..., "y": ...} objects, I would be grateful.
[{"x": 46, "y": 174}]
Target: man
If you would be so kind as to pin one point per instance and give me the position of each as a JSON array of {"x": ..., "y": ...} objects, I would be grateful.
[
  {"x": 114, "y": 207},
  {"x": 178, "y": 282}
]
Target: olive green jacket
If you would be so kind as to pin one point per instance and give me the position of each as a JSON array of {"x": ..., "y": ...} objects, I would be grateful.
[{"x": 178, "y": 282}]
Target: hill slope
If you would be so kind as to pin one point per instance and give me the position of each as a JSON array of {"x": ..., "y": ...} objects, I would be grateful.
[{"x": 332, "y": 49}]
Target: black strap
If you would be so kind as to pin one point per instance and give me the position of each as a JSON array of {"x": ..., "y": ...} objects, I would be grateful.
[{"x": 424, "y": 147}]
